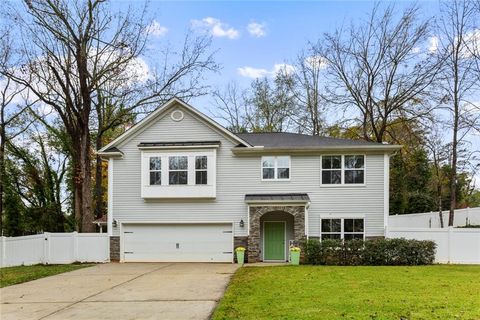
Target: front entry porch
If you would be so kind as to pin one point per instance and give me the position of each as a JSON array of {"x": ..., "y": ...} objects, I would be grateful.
[{"x": 275, "y": 223}]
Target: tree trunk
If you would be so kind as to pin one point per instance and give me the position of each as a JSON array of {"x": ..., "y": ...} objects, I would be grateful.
[
  {"x": 99, "y": 192},
  {"x": 83, "y": 182},
  {"x": 440, "y": 209},
  {"x": 453, "y": 176}
]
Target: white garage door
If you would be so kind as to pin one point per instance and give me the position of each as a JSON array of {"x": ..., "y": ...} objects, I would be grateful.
[{"x": 178, "y": 242}]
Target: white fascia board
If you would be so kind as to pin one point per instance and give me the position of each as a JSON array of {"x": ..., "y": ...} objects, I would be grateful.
[
  {"x": 144, "y": 122},
  {"x": 205, "y": 146}
]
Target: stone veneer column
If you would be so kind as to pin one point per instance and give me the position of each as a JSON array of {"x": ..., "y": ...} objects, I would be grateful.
[
  {"x": 114, "y": 248},
  {"x": 256, "y": 212}
]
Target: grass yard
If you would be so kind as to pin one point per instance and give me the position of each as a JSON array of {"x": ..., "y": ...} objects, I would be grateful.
[
  {"x": 332, "y": 292},
  {"x": 14, "y": 275}
]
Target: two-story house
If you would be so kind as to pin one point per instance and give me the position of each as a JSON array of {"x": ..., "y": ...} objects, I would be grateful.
[{"x": 183, "y": 188}]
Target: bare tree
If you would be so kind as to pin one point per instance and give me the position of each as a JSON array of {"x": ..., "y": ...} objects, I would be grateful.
[
  {"x": 306, "y": 84},
  {"x": 439, "y": 155},
  {"x": 230, "y": 107},
  {"x": 270, "y": 105},
  {"x": 378, "y": 68},
  {"x": 459, "y": 83}
]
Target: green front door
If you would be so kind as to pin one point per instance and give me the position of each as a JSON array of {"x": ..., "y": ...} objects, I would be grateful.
[{"x": 274, "y": 240}]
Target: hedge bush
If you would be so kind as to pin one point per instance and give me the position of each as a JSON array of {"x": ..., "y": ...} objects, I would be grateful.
[{"x": 371, "y": 252}]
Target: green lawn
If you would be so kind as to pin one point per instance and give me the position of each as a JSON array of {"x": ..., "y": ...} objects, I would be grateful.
[
  {"x": 331, "y": 292},
  {"x": 14, "y": 275}
]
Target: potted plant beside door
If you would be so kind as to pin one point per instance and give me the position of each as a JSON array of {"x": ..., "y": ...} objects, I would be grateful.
[
  {"x": 240, "y": 251},
  {"x": 295, "y": 255}
]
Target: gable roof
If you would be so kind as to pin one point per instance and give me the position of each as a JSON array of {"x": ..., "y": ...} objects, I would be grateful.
[{"x": 161, "y": 110}]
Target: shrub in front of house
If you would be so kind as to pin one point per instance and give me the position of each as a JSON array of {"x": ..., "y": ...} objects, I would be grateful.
[{"x": 370, "y": 252}]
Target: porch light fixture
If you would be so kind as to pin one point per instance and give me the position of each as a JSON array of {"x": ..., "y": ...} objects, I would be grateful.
[
  {"x": 242, "y": 224},
  {"x": 114, "y": 224}
]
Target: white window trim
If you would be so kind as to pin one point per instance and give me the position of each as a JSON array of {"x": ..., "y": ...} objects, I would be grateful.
[
  {"x": 342, "y": 226},
  {"x": 189, "y": 190},
  {"x": 342, "y": 168},
  {"x": 275, "y": 167}
]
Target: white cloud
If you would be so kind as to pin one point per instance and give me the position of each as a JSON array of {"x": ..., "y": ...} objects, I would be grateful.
[
  {"x": 254, "y": 73},
  {"x": 216, "y": 28},
  {"x": 257, "y": 29},
  {"x": 156, "y": 29},
  {"x": 472, "y": 38},
  {"x": 283, "y": 68},
  {"x": 316, "y": 62},
  {"x": 434, "y": 43}
]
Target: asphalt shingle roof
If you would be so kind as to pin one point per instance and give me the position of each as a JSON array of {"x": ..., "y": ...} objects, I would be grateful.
[{"x": 286, "y": 139}]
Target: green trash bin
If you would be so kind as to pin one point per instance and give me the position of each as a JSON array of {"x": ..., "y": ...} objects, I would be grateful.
[
  {"x": 295, "y": 256},
  {"x": 240, "y": 251}
]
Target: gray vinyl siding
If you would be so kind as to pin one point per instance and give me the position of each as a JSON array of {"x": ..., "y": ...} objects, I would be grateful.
[{"x": 237, "y": 176}]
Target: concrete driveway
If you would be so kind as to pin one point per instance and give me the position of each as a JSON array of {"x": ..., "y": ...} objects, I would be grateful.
[{"x": 121, "y": 291}]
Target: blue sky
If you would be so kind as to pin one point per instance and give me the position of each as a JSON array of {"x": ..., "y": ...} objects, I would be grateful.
[{"x": 283, "y": 29}]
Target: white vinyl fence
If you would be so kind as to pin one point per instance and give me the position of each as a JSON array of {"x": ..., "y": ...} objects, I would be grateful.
[
  {"x": 462, "y": 217},
  {"x": 54, "y": 248},
  {"x": 454, "y": 245}
]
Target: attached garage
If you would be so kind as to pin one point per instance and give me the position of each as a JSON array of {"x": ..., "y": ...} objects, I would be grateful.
[{"x": 177, "y": 242}]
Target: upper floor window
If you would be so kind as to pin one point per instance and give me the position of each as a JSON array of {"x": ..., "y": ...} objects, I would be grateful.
[
  {"x": 155, "y": 171},
  {"x": 276, "y": 168},
  {"x": 343, "y": 169},
  {"x": 178, "y": 174},
  {"x": 178, "y": 170},
  {"x": 346, "y": 229},
  {"x": 201, "y": 173}
]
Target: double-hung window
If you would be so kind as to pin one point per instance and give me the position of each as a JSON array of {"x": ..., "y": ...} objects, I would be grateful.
[
  {"x": 343, "y": 228},
  {"x": 201, "y": 173},
  {"x": 155, "y": 168},
  {"x": 177, "y": 170},
  {"x": 354, "y": 169},
  {"x": 343, "y": 169},
  {"x": 331, "y": 169},
  {"x": 171, "y": 174},
  {"x": 276, "y": 168}
]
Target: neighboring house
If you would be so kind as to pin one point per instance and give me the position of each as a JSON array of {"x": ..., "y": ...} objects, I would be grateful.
[
  {"x": 183, "y": 188},
  {"x": 101, "y": 223}
]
